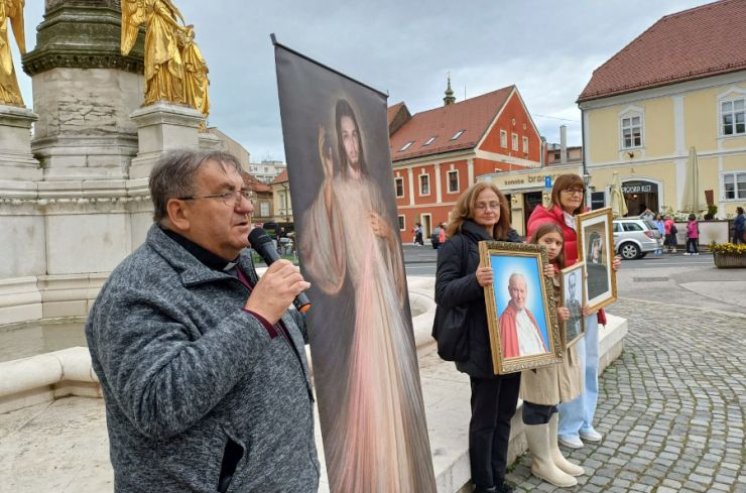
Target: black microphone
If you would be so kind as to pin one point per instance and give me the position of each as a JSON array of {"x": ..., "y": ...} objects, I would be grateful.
[{"x": 262, "y": 243}]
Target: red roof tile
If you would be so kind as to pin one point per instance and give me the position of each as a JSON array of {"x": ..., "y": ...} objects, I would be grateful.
[
  {"x": 281, "y": 178},
  {"x": 392, "y": 111},
  {"x": 695, "y": 43},
  {"x": 255, "y": 184},
  {"x": 473, "y": 116}
]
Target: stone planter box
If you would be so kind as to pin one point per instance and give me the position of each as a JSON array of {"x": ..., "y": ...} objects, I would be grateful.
[{"x": 728, "y": 261}]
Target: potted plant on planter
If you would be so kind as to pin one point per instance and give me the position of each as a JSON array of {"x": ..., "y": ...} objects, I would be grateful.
[{"x": 728, "y": 255}]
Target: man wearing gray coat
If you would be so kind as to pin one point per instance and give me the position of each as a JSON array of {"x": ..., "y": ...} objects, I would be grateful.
[{"x": 201, "y": 363}]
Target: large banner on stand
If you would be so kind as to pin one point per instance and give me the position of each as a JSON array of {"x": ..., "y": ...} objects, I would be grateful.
[{"x": 364, "y": 357}]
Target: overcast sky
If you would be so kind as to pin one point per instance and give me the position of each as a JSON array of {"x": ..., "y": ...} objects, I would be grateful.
[{"x": 548, "y": 48}]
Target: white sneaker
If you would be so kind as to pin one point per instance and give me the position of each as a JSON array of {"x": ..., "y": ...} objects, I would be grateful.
[
  {"x": 591, "y": 436},
  {"x": 687, "y": 253},
  {"x": 570, "y": 442},
  {"x": 695, "y": 254}
]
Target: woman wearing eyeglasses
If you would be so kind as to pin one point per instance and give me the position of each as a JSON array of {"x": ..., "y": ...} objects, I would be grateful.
[
  {"x": 575, "y": 416},
  {"x": 481, "y": 213}
]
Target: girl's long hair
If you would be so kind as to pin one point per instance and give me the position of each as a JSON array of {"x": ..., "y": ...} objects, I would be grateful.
[
  {"x": 466, "y": 206},
  {"x": 544, "y": 229}
]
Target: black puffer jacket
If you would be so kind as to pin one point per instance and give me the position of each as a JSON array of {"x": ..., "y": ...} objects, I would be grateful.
[{"x": 454, "y": 289}]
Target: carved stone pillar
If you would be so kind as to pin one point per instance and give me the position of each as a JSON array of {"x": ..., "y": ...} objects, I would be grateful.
[
  {"x": 84, "y": 91},
  {"x": 163, "y": 127}
]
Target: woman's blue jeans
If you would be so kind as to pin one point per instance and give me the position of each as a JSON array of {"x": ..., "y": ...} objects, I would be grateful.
[{"x": 577, "y": 414}]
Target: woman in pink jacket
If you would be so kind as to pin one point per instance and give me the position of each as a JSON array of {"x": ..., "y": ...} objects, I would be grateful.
[{"x": 692, "y": 236}]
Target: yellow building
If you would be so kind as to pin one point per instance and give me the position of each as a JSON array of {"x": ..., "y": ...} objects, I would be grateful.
[
  {"x": 282, "y": 205},
  {"x": 670, "y": 102}
]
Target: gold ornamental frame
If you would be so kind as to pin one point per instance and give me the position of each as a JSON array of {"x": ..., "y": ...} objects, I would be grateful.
[
  {"x": 595, "y": 230},
  {"x": 505, "y": 259},
  {"x": 577, "y": 268}
]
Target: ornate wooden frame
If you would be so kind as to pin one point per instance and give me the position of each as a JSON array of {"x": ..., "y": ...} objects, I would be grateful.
[
  {"x": 578, "y": 267},
  {"x": 488, "y": 250},
  {"x": 584, "y": 224}
]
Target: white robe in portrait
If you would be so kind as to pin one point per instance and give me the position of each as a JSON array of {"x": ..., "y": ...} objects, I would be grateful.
[{"x": 380, "y": 435}]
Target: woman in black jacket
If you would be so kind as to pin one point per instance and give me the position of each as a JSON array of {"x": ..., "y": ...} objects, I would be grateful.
[{"x": 481, "y": 213}]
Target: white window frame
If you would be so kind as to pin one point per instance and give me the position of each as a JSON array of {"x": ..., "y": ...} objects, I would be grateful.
[
  {"x": 406, "y": 146},
  {"x": 458, "y": 134},
  {"x": 397, "y": 181},
  {"x": 458, "y": 181},
  {"x": 733, "y": 97},
  {"x": 514, "y": 141},
  {"x": 262, "y": 205},
  {"x": 402, "y": 222},
  {"x": 628, "y": 115},
  {"x": 427, "y": 177},
  {"x": 525, "y": 144},
  {"x": 734, "y": 174},
  {"x": 503, "y": 139},
  {"x": 430, "y": 141}
]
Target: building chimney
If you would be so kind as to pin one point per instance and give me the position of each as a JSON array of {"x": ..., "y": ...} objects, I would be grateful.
[
  {"x": 543, "y": 153},
  {"x": 563, "y": 144}
]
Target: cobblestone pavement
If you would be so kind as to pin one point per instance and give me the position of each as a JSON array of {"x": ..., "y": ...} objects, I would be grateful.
[{"x": 672, "y": 408}]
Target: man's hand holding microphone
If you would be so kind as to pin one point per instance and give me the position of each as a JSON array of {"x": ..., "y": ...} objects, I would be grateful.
[{"x": 281, "y": 285}]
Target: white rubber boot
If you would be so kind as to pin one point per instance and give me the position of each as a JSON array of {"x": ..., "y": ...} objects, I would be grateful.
[
  {"x": 556, "y": 453},
  {"x": 542, "y": 465}
]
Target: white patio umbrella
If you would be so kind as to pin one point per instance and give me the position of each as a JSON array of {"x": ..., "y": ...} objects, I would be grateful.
[
  {"x": 690, "y": 199},
  {"x": 616, "y": 197}
]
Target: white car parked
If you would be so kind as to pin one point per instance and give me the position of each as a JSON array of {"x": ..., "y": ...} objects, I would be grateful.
[{"x": 634, "y": 237}]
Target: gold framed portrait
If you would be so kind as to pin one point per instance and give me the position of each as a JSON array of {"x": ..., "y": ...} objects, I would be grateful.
[
  {"x": 521, "y": 309},
  {"x": 573, "y": 290},
  {"x": 596, "y": 249}
]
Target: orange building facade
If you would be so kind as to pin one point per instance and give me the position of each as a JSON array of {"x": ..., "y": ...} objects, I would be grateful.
[{"x": 439, "y": 153}]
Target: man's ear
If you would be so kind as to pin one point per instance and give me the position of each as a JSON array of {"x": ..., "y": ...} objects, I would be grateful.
[{"x": 178, "y": 214}]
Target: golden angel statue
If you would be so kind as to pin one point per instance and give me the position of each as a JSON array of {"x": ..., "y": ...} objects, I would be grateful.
[
  {"x": 10, "y": 10},
  {"x": 164, "y": 68},
  {"x": 195, "y": 73}
]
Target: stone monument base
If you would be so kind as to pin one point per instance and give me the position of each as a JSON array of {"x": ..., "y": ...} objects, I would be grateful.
[
  {"x": 162, "y": 127},
  {"x": 16, "y": 160}
]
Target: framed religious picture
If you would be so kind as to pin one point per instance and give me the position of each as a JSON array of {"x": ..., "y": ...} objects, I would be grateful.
[
  {"x": 572, "y": 289},
  {"x": 596, "y": 249},
  {"x": 521, "y": 309}
]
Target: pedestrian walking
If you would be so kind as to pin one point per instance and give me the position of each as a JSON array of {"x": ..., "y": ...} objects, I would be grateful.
[
  {"x": 435, "y": 237},
  {"x": 671, "y": 231},
  {"x": 692, "y": 236},
  {"x": 739, "y": 227},
  {"x": 660, "y": 224},
  {"x": 418, "y": 235}
]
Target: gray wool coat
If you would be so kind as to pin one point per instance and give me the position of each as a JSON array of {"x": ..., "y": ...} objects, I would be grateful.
[{"x": 184, "y": 369}]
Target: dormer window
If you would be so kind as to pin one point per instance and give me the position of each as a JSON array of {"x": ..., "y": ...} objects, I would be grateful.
[
  {"x": 406, "y": 146},
  {"x": 458, "y": 134},
  {"x": 429, "y": 141}
]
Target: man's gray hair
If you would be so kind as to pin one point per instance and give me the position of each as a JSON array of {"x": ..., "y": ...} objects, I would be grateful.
[
  {"x": 173, "y": 175},
  {"x": 514, "y": 276}
]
